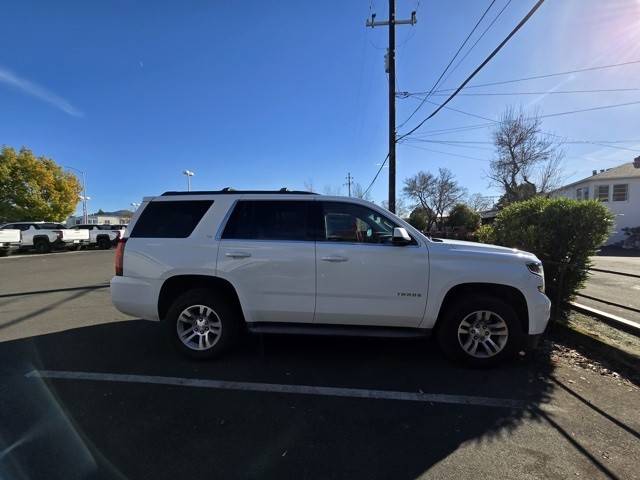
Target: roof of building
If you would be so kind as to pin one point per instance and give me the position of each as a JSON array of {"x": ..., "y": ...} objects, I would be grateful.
[{"x": 626, "y": 170}]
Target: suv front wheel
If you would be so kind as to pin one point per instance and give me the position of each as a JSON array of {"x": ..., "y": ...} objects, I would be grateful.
[
  {"x": 480, "y": 331},
  {"x": 200, "y": 324}
]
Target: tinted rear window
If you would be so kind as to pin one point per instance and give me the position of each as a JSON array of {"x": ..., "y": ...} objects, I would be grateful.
[
  {"x": 270, "y": 220},
  {"x": 170, "y": 219}
]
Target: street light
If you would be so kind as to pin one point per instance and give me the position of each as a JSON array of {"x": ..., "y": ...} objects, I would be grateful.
[
  {"x": 83, "y": 197},
  {"x": 189, "y": 174}
]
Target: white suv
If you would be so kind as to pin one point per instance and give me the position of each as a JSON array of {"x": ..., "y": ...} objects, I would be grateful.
[{"x": 210, "y": 265}]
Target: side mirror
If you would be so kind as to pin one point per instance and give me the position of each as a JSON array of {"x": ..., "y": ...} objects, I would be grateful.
[{"x": 400, "y": 236}]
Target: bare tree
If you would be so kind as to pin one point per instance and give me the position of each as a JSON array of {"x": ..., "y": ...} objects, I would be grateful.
[
  {"x": 359, "y": 192},
  {"x": 332, "y": 191},
  {"x": 436, "y": 194},
  {"x": 479, "y": 203},
  {"x": 402, "y": 210},
  {"x": 308, "y": 185},
  {"x": 527, "y": 163}
]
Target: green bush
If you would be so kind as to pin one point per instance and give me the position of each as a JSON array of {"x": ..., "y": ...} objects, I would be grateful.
[
  {"x": 563, "y": 233},
  {"x": 462, "y": 216},
  {"x": 418, "y": 218},
  {"x": 485, "y": 234}
]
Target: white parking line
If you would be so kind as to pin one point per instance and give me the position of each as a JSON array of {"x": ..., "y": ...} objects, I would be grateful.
[
  {"x": 280, "y": 388},
  {"x": 52, "y": 254}
]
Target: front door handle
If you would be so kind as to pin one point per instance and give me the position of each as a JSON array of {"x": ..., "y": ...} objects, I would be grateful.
[
  {"x": 238, "y": 254},
  {"x": 334, "y": 258}
]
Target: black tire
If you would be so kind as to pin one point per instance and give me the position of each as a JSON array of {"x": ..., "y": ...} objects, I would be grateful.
[
  {"x": 4, "y": 252},
  {"x": 104, "y": 243},
  {"x": 451, "y": 342},
  {"x": 228, "y": 318},
  {"x": 42, "y": 245}
]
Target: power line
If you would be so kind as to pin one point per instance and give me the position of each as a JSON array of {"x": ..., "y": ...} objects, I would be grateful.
[
  {"x": 376, "y": 176},
  {"x": 544, "y": 92},
  {"x": 449, "y": 64},
  {"x": 480, "y": 67},
  {"x": 446, "y": 153},
  {"x": 476, "y": 42},
  {"x": 557, "y": 114},
  {"x": 537, "y": 77}
]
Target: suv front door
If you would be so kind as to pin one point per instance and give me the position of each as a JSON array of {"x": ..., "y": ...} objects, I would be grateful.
[
  {"x": 267, "y": 251},
  {"x": 363, "y": 278}
]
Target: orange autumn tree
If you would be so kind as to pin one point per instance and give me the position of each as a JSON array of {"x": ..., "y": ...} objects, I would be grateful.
[{"x": 35, "y": 188}]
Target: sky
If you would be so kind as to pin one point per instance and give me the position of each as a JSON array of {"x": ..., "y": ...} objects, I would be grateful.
[{"x": 263, "y": 95}]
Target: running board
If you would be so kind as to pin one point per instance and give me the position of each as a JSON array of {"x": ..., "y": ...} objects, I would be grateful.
[{"x": 337, "y": 330}]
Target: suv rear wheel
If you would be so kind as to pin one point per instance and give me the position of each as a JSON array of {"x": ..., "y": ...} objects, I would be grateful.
[
  {"x": 480, "y": 331},
  {"x": 201, "y": 324}
]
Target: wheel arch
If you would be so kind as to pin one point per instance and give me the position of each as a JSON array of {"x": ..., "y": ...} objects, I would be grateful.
[
  {"x": 176, "y": 285},
  {"x": 507, "y": 293}
]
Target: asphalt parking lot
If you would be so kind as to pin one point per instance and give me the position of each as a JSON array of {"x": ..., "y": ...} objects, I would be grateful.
[{"x": 87, "y": 392}]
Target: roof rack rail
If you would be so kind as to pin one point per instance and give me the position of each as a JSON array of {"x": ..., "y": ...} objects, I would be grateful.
[{"x": 231, "y": 191}]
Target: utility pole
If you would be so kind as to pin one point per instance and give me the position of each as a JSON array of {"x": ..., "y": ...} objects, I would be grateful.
[
  {"x": 390, "y": 65},
  {"x": 349, "y": 182}
]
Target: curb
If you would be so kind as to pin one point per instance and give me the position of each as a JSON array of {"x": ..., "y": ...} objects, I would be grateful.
[{"x": 613, "y": 320}]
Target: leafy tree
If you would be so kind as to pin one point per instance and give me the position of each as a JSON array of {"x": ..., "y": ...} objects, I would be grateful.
[
  {"x": 527, "y": 163},
  {"x": 35, "y": 188},
  {"x": 462, "y": 216},
  {"x": 419, "y": 218},
  {"x": 436, "y": 194},
  {"x": 563, "y": 233}
]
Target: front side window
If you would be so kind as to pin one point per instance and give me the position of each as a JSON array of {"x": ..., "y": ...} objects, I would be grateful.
[
  {"x": 603, "y": 193},
  {"x": 620, "y": 193},
  {"x": 348, "y": 222},
  {"x": 270, "y": 220}
]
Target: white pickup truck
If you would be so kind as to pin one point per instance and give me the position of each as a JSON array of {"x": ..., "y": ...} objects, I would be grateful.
[
  {"x": 9, "y": 240},
  {"x": 42, "y": 236},
  {"x": 102, "y": 236}
]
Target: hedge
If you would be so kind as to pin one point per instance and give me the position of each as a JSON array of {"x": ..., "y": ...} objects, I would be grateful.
[{"x": 561, "y": 232}]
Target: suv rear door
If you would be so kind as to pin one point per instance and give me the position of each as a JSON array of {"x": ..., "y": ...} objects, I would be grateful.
[
  {"x": 267, "y": 251},
  {"x": 362, "y": 277}
]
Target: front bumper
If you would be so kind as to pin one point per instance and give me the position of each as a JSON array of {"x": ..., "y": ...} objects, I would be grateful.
[
  {"x": 539, "y": 307},
  {"x": 532, "y": 342}
]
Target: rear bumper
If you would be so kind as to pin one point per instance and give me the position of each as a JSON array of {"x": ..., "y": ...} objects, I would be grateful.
[
  {"x": 135, "y": 296},
  {"x": 9, "y": 246}
]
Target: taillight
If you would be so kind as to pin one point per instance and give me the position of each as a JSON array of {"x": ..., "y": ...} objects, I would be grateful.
[{"x": 120, "y": 256}]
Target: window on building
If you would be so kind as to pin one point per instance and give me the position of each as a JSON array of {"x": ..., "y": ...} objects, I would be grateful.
[
  {"x": 603, "y": 193},
  {"x": 620, "y": 192},
  {"x": 582, "y": 193}
]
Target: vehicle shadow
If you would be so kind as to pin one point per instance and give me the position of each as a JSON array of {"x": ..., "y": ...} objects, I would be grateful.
[{"x": 105, "y": 429}]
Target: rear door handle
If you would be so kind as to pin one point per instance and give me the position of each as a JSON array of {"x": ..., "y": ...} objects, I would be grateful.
[
  {"x": 334, "y": 258},
  {"x": 237, "y": 254}
]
